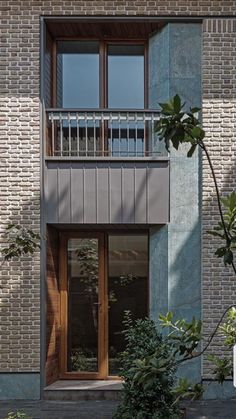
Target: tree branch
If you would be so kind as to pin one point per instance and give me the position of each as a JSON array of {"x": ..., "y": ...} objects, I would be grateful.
[
  {"x": 209, "y": 341},
  {"x": 204, "y": 148}
]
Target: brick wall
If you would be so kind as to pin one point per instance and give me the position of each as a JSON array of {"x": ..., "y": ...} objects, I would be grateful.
[
  {"x": 219, "y": 120},
  {"x": 19, "y": 185},
  {"x": 20, "y": 150}
]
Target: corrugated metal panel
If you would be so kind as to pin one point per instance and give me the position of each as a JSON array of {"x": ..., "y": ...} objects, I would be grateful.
[
  {"x": 140, "y": 193},
  {"x": 135, "y": 192},
  {"x": 103, "y": 202},
  {"x": 64, "y": 193},
  {"x": 115, "y": 193},
  {"x": 77, "y": 193},
  {"x": 51, "y": 193}
]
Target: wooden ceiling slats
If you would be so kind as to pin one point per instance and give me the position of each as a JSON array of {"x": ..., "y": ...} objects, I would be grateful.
[{"x": 102, "y": 30}]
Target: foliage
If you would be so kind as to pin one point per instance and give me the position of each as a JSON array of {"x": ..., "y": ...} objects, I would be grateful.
[
  {"x": 228, "y": 237},
  {"x": 88, "y": 262},
  {"x": 223, "y": 367},
  {"x": 150, "y": 361},
  {"x": 79, "y": 360},
  {"x": 185, "y": 390},
  {"x": 177, "y": 126},
  {"x": 228, "y": 328},
  {"x": 20, "y": 241},
  {"x": 148, "y": 372},
  {"x": 184, "y": 336},
  {"x": 17, "y": 415}
]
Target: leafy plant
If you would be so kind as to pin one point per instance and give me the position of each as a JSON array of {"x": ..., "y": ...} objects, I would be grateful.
[
  {"x": 148, "y": 372},
  {"x": 227, "y": 232},
  {"x": 183, "y": 336},
  {"x": 17, "y": 415},
  {"x": 223, "y": 367},
  {"x": 177, "y": 126},
  {"x": 150, "y": 361},
  {"x": 79, "y": 360},
  {"x": 185, "y": 390},
  {"x": 228, "y": 328},
  {"x": 20, "y": 241}
]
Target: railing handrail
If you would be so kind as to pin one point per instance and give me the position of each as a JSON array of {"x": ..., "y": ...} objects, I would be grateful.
[
  {"x": 102, "y": 110},
  {"x": 102, "y": 131}
]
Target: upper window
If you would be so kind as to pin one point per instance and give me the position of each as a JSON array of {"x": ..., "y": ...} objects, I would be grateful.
[
  {"x": 78, "y": 74},
  {"x": 126, "y": 76},
  {"x": 91, "y": 76}
]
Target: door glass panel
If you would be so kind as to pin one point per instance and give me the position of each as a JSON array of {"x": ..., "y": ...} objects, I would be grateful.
[
  {"x": 126, "y": 76},
  {"x": 83, "y": 305},
  {"x": 127, "y": 288},
  {"x": 78, "y": 74}
]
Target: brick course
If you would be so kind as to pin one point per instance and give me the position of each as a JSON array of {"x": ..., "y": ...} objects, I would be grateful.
[{"x": 20, "y": 152}]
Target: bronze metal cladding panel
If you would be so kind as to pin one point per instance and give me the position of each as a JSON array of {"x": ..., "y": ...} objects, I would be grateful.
[{"x": 107, "y": 192}]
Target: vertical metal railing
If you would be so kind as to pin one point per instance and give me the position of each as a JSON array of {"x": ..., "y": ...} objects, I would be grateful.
[{"x": 102, "y": 133}]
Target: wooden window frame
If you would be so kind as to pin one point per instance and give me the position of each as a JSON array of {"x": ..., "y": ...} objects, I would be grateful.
[{"x": 103, "y": 66}]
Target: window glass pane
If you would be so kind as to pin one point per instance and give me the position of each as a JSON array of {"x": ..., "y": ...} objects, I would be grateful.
[
  {"x": 126, "y": 76},
  {"x": 82, "y": 305},
  {"x": 127, "y": 288},
  {"x": 78, "y": 74}
]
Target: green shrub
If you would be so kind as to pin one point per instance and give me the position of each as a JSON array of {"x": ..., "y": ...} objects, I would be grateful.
[
  {"x": 148, "y": 372},
  {"x": 17, "y": 415},
  {"x": 79, "y": 360}
]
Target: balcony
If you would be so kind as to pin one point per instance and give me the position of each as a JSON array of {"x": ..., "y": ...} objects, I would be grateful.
[
  {"x": 102, "y": 133},
  {"x": 105, "y": 167}
]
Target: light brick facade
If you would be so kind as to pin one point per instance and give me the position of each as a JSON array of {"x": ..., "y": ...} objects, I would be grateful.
[
  {"x": 219, "y": 116},
  {"x": 20, "y": 152}
]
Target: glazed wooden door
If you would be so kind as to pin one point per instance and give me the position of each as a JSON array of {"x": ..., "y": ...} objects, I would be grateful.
[
  {"x": 83, "y": 306},
  {"x": 102, "y": 275}
]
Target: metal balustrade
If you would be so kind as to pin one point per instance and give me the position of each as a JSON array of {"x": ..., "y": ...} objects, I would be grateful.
[{"x": 102, "y": 133}]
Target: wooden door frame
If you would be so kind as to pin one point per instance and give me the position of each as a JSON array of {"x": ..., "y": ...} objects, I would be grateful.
[
  {"x": 64, "y": 236},
  {"x": 103, "y": 305}
]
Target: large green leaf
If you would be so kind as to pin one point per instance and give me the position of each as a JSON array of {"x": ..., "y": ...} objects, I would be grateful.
[
  {"x": 191, "y": 150},
  {"x": 177, "y": 104}
]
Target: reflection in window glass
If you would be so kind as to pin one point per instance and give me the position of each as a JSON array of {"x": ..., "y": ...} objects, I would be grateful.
[
  {"x": 78, "y": 74},
  {"x": 126, "y": 76},
  {"x": 127, "y": 288},
  {"x": 82, "y": 305}
]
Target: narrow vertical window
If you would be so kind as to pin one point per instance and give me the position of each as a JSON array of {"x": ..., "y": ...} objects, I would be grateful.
[{"x": 126, "y": 76}]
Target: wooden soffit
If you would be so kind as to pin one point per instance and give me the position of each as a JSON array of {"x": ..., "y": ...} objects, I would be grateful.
[{"x": 113, "y": 29}]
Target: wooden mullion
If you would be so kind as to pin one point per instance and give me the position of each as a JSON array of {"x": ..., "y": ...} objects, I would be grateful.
[
  {"x": 54, "y": 74},
  {"x": 102, "y": 359},
  {"x": 63, "y": 303},
  {"x": 106, "y": 302},
  {"x": 102, "y": 352},
  {"x": 146, "y": 97}
]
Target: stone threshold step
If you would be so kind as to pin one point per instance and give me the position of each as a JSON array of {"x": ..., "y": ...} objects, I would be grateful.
[{"x": 83, "y": 390}]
